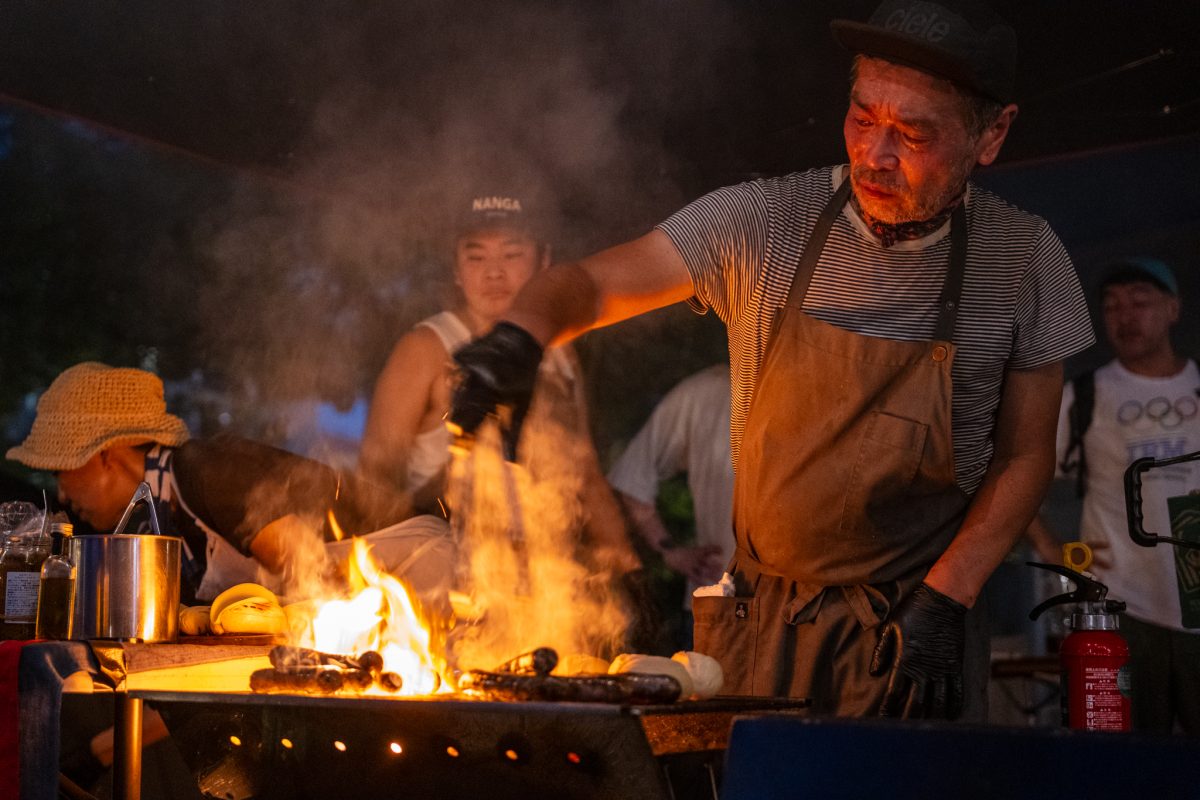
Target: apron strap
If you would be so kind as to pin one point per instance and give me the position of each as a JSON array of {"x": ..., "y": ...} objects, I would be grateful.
[
  {"x": 951, "y": 293},
  {"x": 952, "y": 286},
  {"x": 816, "y": 243}
]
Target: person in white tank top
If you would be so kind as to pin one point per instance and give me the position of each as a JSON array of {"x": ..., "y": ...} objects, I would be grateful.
[{"x": 406, "y": 442}]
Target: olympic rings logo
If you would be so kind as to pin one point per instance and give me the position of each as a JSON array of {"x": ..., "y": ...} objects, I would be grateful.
[{"x": 1161, "y": 410}]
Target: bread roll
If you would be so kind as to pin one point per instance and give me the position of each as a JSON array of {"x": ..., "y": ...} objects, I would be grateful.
[
  {"x": 252, "y": 615},
  {"x": 194, "y": 620},
  {"x": 707, "y": 676},
  {"x": 581, "y": 664},
  {"x": 654, "y": 665},
  {"x": 236, "y": 594}
]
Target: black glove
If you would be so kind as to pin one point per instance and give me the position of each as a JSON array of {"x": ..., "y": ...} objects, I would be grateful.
[
  {"x": 921, "y": 644},
  {"x": 497, "y": 369}
]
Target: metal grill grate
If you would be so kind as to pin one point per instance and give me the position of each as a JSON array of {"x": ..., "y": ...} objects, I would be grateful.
[{"x": 284, "y": 746}]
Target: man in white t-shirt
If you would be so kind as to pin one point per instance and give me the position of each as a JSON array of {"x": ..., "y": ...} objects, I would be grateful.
[
  {"x": 687, "y": 432},
  {"x": 1144, "y": 405}
]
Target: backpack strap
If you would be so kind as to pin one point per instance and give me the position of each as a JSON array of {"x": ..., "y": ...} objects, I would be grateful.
[{"x": 1079, "y": 418}]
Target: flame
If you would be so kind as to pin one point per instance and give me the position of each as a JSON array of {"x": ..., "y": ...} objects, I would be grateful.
[
  {"x": 379, "y": 615},
  {"x": 338, "y": 533},
  {"x": 520, "y": 529}
]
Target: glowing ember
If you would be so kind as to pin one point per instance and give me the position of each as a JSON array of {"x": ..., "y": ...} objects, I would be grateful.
[{"x": 338, "y": 534}]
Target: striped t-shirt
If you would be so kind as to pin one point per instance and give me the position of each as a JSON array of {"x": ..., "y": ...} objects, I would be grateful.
[{"x": 1021, "y": 305}]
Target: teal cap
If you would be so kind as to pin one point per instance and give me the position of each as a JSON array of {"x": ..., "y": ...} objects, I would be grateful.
[{"x": 1141, "y": 268}]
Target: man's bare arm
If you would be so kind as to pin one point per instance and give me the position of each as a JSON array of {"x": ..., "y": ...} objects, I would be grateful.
[
  {"x": 700, "y": 563},
  {"x": 402, "y": 398},
  {"x": 276, "y": 543},
  {"x": 567, "y": 300},
  {"x": 1021, "y": 469},
  {"x": 1044, "y": 542},
  {"x": 608, "y": 536}
]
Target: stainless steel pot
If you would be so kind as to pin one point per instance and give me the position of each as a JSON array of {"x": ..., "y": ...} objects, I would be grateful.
[{"x": 127, "y": 587}]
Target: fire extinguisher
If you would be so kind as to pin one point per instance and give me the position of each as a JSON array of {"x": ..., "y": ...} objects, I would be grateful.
[{"x": 1094, "y": 658}]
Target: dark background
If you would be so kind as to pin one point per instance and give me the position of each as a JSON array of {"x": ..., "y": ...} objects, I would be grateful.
[{"x": 251, "y": 198}]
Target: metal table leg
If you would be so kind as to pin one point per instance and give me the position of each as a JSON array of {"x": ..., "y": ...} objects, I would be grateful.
[{"x": 127, "y": 748}]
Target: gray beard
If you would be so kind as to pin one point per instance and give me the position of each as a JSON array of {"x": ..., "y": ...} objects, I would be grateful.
[{"x": 924, "y": 209}]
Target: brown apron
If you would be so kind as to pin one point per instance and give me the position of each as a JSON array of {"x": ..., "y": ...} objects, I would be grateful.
[{"x": 845, "y": 496}]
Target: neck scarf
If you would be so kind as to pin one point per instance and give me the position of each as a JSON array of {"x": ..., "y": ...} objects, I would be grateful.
[
  {"x": 889, "y": 233},
  {"x": 160, "y": 474}
]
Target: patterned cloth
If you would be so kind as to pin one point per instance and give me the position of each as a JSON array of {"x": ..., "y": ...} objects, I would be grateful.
[
  {"x": 160, "y": 474},
  {"x": 891, "y": 232},
  {"x": 44, "y": 667},
  {"x": 10, "y": 716}
]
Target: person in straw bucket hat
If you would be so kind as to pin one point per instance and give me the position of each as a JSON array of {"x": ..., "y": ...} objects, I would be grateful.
[
  {"x": 89, "y": 424},
  {"x": 244, "y": 509}
]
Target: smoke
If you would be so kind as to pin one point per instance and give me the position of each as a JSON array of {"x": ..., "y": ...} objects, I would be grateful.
[
  {"x": 524, "y": 560},
  {"x": 312, "y": 281},
  {"x": 523, "y": 550}
]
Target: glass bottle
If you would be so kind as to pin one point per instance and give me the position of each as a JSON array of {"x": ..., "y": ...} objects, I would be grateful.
[
  {"x": 56, "y": 589},
  {"x": 20, "y": 573}
]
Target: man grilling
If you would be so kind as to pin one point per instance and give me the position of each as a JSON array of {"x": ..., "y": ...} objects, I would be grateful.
[{"x": 896, "y": 337}]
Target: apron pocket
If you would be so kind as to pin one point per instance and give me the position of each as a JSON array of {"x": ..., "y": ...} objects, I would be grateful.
[
  {"x": 887, "y": 463},
  {"x": 726, "y": 628}
]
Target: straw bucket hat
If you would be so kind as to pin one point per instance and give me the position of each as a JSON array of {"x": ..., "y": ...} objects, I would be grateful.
[{"x": 92, "y": 406}]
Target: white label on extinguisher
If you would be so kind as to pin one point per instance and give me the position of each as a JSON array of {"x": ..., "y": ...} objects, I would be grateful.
[
  {"x": 1125, "y": 681},
  {"x": 1102, "y": 699}
]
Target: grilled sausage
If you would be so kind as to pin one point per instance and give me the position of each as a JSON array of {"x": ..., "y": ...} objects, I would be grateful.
[{"x": 632, "y": 688}]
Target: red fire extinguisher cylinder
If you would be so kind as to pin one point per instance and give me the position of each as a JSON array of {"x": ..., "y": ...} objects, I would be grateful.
[
  {"x": 1094, "y": 658},
  {"x": 1095, "y": 679}
]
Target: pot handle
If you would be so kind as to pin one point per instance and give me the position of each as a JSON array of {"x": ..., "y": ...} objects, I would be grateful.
[{"x": 142, "y": 494}]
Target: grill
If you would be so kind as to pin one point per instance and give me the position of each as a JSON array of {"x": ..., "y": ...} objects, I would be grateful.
[{"x": 289, "y": 746}]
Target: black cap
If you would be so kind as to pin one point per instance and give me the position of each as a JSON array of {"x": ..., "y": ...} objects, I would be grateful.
[{"x": 961, "y": 40}]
